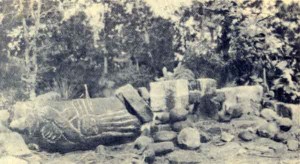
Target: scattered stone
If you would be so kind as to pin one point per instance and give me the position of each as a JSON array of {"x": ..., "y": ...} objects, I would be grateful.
[
  {"x": 149, "y": 155},
  {"x": 247, "y": 136},
  {"x": 269, "y": 114},
  {"x": 164, "y": 136},
  {"x": 292, "y": 145},
  {"x": 13, "y": 144},
  {"x": 184, "y": 157},
  {"x": 204, "y": 137},
  {"x": 285, "y": 124},
  {"x": 214, "y": 131},
  {"x": 162, "y": 148},
  {"x": 189, "y": 138},
  {"x": 12, "y": 160},
  {"x": 178, "y": 114},
  {"x": 143, "y": 91},
  {"x": 234, "y": 111},
  {"x": 278, "y": 147},
  {"x": 224, "y": 116},
  {"x": 142, "y": 142},
  {"x": 4, "y": 116},
  {"x": 166, "y": 95},
  {"x": 266, "y": 146},
  {"x": 268, "y": 130},
  {"x": 178, "y": 126},
  {"x": 289, "y": 110},
  {"x": 161, "y": 127},
  {"x": 281, "y": 137},
  {"x": 227, "y": 137},
  {"x": 135, "y": 102},
  {"x": 162, "y": 117}
]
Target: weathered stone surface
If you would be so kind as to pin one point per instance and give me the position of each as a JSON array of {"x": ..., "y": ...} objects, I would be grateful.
[
  {"x": 149, "y": 155},
  {"x": 289, "y": 110},
  {"x": 178, "y": 114},
  {"x": 269, "y": 114},
  {"x": 144, "y": 93},
  {"x": 161, "y": 127},
  {"x": 227, "y": 137},
  {"x": 281, "y": 137},
  {"x": 135, "y": 102},
  {"x": 142, "y": 142},
  {"x": 164, "y": 136},
  {"x": 292, "y": 145},
  {"x": 166, "y": 95},
  {"x": 189, "y": 138},
  {"x": 285, "y": 124},
  {"x": 161, "y": 148},
  {"x": 184, "y": 157},
  {"x": 195, "y": 96},
  {"x": 214, "y": 131},
  {"x": 13, "y": 144},
  {"x": 4, "y": 116},
  {"x": 265, "y": 146},
  {"x": 100, "y": 149},
  {"x": 234, "y": 111},
  {"x": 247, "y": 136},
  {"x": 3, "y": 129},
  {"x": 12, "y": 160},
  {"x": 248, "y": 97},
  {"x": 268, "y": 130},
  {"x": 204, "y": 137},
  {"x": 162, "y": 117},
  {"x": 77, "y": 124},
  {"x": 34, "y": 147},
  {"x": 178, "y": 126}
]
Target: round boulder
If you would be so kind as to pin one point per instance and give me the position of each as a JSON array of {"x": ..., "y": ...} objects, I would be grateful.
[
  {"x": 189, "y": 138},
  {"x": 247, "y": 136},
  {"x": 268, "y": 130},
  {"x": 269, "y": 114},
  {"x": 142, "y": 142},
  {"x": 285, "y": 124},
  {"x": 178, "y": 126},
  {"x": 178, "y": 114},
  {"x": 164, "y": 136}
]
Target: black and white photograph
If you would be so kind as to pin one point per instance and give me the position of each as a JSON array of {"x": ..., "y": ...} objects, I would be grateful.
[{"x": 149, "y": 81}]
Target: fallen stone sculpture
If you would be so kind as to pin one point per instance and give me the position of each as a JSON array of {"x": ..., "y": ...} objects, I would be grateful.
[{"x": 76, "y": 124}]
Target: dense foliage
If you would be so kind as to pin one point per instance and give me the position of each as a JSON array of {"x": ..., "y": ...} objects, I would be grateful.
[{"x": 63, "y": 45}]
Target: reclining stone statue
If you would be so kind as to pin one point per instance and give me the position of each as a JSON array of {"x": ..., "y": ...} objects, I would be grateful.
[{"x": 81, "y": 123}]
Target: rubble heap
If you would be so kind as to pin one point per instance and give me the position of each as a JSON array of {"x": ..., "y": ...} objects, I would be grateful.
[{"x": 174, "y": 120}]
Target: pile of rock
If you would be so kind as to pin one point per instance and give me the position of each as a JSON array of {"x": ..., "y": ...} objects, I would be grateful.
[
  {"x": 279, "y": 124},
  {"x": 174, "y": 114}
]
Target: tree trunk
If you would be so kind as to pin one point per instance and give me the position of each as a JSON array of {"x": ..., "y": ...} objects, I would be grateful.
[
  {"x": 137, "y": 64},
  {"x": 31, "y": 47},
  {"x": 105, "y": 69}
]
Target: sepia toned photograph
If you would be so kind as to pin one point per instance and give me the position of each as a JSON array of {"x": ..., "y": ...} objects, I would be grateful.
[{"x": 149, "y": 81}]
